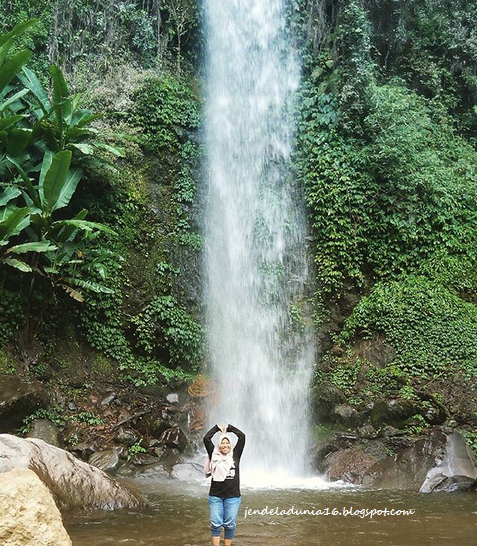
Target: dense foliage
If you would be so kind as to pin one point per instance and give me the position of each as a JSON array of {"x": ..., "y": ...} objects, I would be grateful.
[
  {"x": 386, "y": 154},
  {"x": 59, "y": 156}
]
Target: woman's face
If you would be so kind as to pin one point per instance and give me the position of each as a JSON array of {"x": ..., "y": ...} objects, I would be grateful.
[{"x": 224, "y": 446}]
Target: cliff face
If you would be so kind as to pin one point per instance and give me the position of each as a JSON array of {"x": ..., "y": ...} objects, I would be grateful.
[{"x": 386, "y": 158}]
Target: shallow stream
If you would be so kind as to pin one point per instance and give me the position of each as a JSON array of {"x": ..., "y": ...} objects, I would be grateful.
[{"x": 178, "y": 515}]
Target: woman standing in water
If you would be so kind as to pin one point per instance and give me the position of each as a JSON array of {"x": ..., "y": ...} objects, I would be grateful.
[{"x": 224, "y": 495}]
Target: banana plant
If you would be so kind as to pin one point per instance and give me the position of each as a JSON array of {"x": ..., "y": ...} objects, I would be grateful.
[{"x": 43, "y": 140}]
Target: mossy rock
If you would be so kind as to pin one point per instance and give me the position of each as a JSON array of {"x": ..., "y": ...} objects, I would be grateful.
[{"x": 324, "y": 398}]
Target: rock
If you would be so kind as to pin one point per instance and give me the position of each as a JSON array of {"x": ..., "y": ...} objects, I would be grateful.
[
  {"x": 172, "y": 398},
  {"x": 349, "y": 465},
  {"x": 154, "y": 471},
  {"x": 45, "y": 430},
  {"x": 393, "y": 412},
  {"x": 187, "y": 472},
  {"x": 18, "y": 399},
  {"x": 71, "y": 434},
  {"x": 376, "y": 350},
  {"x": 174, "y": 438},
  {"x": 28, "y": 514},
  {"x": 74, "y": 484},
  {"x": 324, "y": 398},
  {"x": 106, "y": 401},
  {"x": 108, "y": 460},
  {"x": 440, "y": 462},
  {"x": 127, "y": 436},
  {"x": 158, "y": 427},
  {"x": 345, "y": 415},
  {"x": 85, "y": 449},
  {"x": 143, "y": 459},
  {"x": 456, "y": 471},
  {"x": 171, "y": 457}
]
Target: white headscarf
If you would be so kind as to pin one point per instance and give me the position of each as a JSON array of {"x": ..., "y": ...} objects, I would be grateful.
[{"x": 219, "y": 465}]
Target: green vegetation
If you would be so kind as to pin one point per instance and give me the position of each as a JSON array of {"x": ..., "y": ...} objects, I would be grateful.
[
  {"x": 386, "y": 155},
  {"x": 59, "y": 163}
]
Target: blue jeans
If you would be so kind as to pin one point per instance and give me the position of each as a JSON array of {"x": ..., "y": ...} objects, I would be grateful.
[{"x": 223, "y": 513}]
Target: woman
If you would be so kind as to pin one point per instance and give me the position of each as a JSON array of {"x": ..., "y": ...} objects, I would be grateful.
[{"x": 224, "y": 495}]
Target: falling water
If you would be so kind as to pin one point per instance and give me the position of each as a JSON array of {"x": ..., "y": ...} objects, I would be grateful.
[{"x": 261, "y": 353}]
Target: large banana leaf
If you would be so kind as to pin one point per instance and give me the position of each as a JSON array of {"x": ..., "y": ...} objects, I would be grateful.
[
  {"x": 5, "y": 48},
  {"x": 61, "y": 102},
  {"x": 5, "y": 123},
  {"x": 89, "y": 285},
  {"x": 9, "y": 194},
  {"x": 57, "y": 182},
  {"x": 35, "y": 246},
  {"x": 13, "y": 99},
  {"x": 18, "y": 140},
  {"x": 84, "y": 225},
  {"x": 12, "y": 66},
  {"x": 17, "y": 30},
  {"x": 13, "y": 224},
  {"x": 31, "y": 82},
  {"x": 17, "y": 264},
  {"x": 68, "y": 232},
  {"x": 32, "y": 191}
]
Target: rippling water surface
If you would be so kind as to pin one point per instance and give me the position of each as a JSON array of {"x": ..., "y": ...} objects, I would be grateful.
[{"x": 178, "y": 515}]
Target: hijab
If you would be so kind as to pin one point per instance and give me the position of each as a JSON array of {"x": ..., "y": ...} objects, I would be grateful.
[{"x": 219, "y": 465}]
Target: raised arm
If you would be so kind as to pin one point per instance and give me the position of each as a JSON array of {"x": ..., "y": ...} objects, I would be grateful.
[
  {"x": 238, "y": 448},
  {"x": 209, "y": 446}
]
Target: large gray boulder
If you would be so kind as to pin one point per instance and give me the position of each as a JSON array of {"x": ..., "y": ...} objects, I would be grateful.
[
  {"x": 74, "y": 484},
  {"x": 28, "y": 514},
  {"x": 440, "y": 462}
]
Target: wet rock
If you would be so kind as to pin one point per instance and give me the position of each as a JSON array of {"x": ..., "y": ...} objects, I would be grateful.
[
  {"x": 45, "y": 430},
  {"x": 108, "y": 460},
  {"x": 18, "y": 399},
  {"x": 456, "y": 471},
  {"x": 433, "y": 411},
  {"x": 377, "y": 351},
  {"x": 158, "y": 427},
  {"x": 349, "y": 465},
  {"x": 171, "y": 458},
  {"x": 393, "y": 412},
  {"x": 126, "y": 436},
  {"x": 187, "y": 471},
  {"x": 154, "y": 471},
  {"x": 74, "y": 484},
  {"x": 28, "y": 514},
  {"x": 72, "y": 406},
  {"x": 345, "y": 415},
  {"x": 84, "y": 449},
  {"x": 439, "y": 462},
  {"x": 71, "y": 434},
  {"x": 367, "y": 431},
  {"x": 172, "y": 398},
  {"x": 106, "y": 401},
  {"x": 174, "y": 438},
  {"x": 324, "y": 398},
  {"x": 143, "y": 459}
]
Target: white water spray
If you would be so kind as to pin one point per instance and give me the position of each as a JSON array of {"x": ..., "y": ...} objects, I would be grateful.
[{"x": 256, "y": 266}]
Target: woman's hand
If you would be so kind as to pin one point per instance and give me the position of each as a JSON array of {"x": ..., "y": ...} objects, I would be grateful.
[{"x": 223, "y": 428}]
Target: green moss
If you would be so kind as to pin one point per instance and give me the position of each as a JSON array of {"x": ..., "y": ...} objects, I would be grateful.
[
  {"x": 432, "y": 329},
  {"x": 7, "y": 363}
]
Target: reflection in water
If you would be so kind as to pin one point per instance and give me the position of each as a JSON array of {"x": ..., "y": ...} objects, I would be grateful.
[{"x": 178, "y": 515}]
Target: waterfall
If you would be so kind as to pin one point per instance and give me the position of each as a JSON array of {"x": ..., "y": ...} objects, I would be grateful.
[{"x": 261, "y": 354}]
